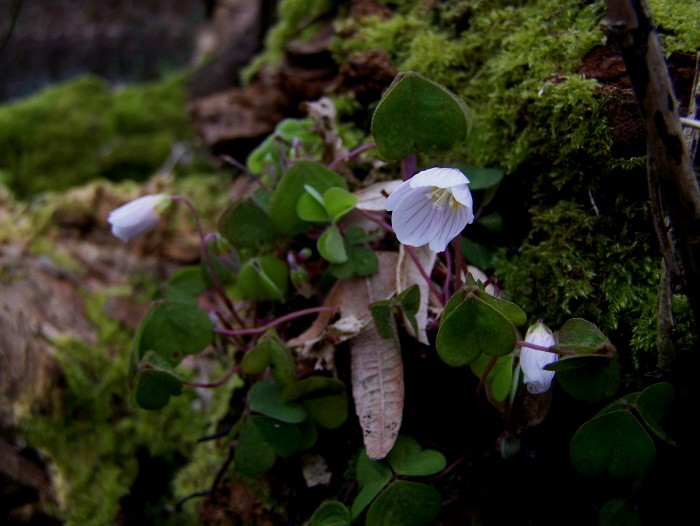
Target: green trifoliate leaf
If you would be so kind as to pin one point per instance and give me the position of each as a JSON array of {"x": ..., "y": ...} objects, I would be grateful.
[
  {"x": 283, "y": 204},
  {"x": 254, "y": 455},
  {"x": 406, "y": 503},
  {"x": 338, "y": 202},
  {"x": 284, "y": 438},
  {"x": 591, "y": 377},
  {"x": 618, "y": 512},
  {"x": 510, "y": 310},
  {"x": 473, "y": 327},
  {"x": 652, "y": 406},
  {"x": 331, "y": 245},
  {"x": 417, "y": 115},
  {"x": 582, "y": 336},
  {"x": 372, "y": 476},
  {"x": 500, "y": 378},
  {"x": 154, "y": 382},
  {"x": 329, "y": 412},
  {"x": 263, "y": 278},
  {"x": 185, "y": 285},
  {"x": 361, "y": 262},
  {"x": 270, "y": 351},
  {"x": 331, "y": 513},
  {"x": 407, "y": 458},
  {"x": 265, "y": 398},
  {"x": 614, "y": 443},
  {"x": 244, "y": 224},
  {"x": 383, "y": 315},
  {"x": 173, "y": 330},
  {"x": 311, "y": 207}
]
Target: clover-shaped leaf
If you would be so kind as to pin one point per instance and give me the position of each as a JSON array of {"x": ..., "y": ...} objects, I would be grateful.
[
  {"x": 331, "y": 513},
  {"x": 263, "y": 278},
  {"x": 408, "y": 459},
  {"x": 500, "y": 377},
  {"x": 283, "y": 204},
  {"x": 253, "y": 455},
  {"x": 372, "y": 476},
  {"x": 329, "y": 412},
  {"x": 361, "y": 262},
  {"x": 244, "y": 224},
  {"x": 310, "y": 206},
  {"x": 582, "y": 336},
  {"x": 613, "y": 442},
  {"x": 154, "y": 382},
  {"x": 265, "y": 398},
  {"x": 338, "y": 202},
  {"x": 473, "y": 327},
  {"x": 270, "y": 351},
  {"x": 417, "y": 115},
  {"x": 331, "y": 245},
  {"x": 173, "y": 330},
  {"x": 406, "y": 503},
  {"x": 588, "y": 377},
  {"x": 617, "y": 440}
]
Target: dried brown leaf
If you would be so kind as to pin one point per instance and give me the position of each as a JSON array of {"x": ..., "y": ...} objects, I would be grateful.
[
  {"x": 352, "y": 298},
  {"x": 408, "y": 274},
  {"x": 378, "y": 390},
  {"x": 373, "y": 198}
]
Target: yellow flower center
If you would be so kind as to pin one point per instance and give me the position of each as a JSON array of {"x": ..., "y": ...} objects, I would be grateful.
[{"x": 442, "y": 197}]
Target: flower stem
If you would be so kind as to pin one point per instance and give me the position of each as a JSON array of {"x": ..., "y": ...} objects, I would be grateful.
[
  {"x": 207, "y": 258},
  {"x": 408, "y": 166},
  {"x": 431, "y": 284},
  {"x": 351, "y": 154},
  {"x": 274, "y": 323},
  {"x": 561, "y": 352},
  {"x": 213, "y": 385}
]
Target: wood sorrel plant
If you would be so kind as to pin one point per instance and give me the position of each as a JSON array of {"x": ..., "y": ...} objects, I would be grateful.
[{"x": 304, "y": 237}]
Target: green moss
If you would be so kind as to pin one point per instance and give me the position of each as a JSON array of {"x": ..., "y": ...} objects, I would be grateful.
[
  {"x": 99, "y": 441},
  {"x": 677, "y": 24},
  {"x": 81, "y": 130}
]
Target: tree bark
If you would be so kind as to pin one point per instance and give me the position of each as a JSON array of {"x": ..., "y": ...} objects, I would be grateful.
[{"x": 670, "y": 171}]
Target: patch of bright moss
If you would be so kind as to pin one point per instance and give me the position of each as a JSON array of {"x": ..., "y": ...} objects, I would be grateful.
[
  {"x": 82, "y": 130},
  {"x": 98, "y": 443}
]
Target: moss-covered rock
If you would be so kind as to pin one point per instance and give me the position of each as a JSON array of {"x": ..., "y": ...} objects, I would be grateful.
[
  {"x": 84, "y": 129},
  {"x": 577, "y": 236}
]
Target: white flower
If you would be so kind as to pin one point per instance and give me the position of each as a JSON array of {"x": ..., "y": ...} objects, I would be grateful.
[
  {"x": 431, "y": 207},
  {"x": 532, "y": 361},
  {"x": 138, "y": 216}
]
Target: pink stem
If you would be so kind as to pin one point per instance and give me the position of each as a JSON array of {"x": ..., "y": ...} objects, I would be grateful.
[{"x": 274, "y": 323}]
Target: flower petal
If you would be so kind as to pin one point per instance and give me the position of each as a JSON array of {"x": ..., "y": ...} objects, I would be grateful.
[
  {"x": 533, "y": 361},
  {"x": 398, "y": 195},
  {"x": 453, "y": 222},
  {"x": 440, "y": 177},
  {"x": 138, "y": 216},
  {"x": 463, "y": 195},
  {"x": 412, "y": 220}
]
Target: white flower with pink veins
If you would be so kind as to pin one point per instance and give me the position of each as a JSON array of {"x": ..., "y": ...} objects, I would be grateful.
[
  {"x": 138, "y": 216},
  {"x": 432, "y": 208},
  {"x": 532, "y": 361}
]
